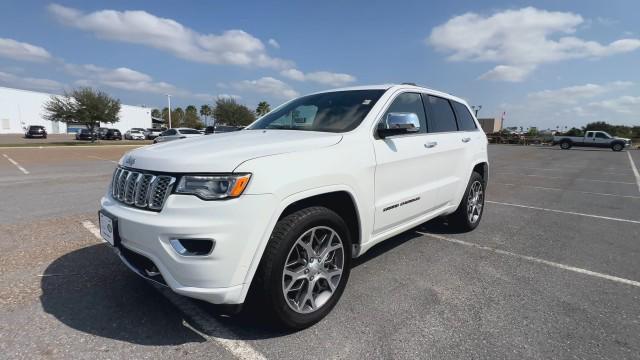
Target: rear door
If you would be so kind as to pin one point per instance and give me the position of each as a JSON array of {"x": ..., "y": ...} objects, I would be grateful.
[
  {"x": 448, "y": 160},
  {"x": 589, "y": 139},
  {"x": 471, "y": 137}
]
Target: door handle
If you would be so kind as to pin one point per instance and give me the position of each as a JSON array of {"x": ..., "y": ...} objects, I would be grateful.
[
  {"x": 466, "y": 140},
  {"x": 431, "y": 144}
]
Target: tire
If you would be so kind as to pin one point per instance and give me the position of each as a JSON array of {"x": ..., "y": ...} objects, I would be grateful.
[
  {"x": 617, "y": 147},
  {"x": 469, "y": 212},
  {"x": 565, "y": 145},
  {"x": 287, "y": 299}
]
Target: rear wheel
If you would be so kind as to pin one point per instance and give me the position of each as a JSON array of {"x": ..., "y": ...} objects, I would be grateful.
[
  {"x": 617, "y": 147},
  {"x": 565, "y": 145},
  {"x": 469, "y": 212},
  {"x": 305, "y": 267}
]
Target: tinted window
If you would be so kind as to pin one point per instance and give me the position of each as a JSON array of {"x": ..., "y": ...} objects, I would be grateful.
[
  {"x": 465, "y": 120},
  {"x": 601, "y": 136},
  {"x": 170, "y": 132},
  {"x": 440, "y": 114},
  {"x": 189, "y": 131},
  {"x": 337, "y": 111},
  {"x": 407, "y": 103}
]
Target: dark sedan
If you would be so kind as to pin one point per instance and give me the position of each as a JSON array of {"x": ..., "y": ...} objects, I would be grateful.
[{"x": 36, "y": 131}]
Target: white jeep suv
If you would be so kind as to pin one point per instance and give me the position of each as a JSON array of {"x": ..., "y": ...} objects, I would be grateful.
[{"x": 277, "y": 211}]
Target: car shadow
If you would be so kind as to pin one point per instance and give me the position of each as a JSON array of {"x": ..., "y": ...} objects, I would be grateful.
[{"x": 91, "y": 291}]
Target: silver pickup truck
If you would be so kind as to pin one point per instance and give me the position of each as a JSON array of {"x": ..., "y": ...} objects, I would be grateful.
[{"x": 592, "y": 139}]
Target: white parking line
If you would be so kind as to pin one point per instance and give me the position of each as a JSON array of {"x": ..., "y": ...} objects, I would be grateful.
[
  {"x": 564, "y": 212},
  {"x": 635, "y": 170},
  {"x": 566, "y": 178},
  {"x": 576, "y": 191},
  {"x": 16, "y": 164},
  {"x": 536, "y": 260},
  {"x": 214, "y": 329},
  {"x": 92, "y": 229},
  {"x": 99, "y": 158}
]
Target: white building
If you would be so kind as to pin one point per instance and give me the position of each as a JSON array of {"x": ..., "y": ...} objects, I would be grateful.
[{"x": 21, "y": 108}]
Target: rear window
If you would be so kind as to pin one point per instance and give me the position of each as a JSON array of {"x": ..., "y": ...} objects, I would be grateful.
[
  {"x": 465, "y": 120},
  {"x": 440, "y": 115}
]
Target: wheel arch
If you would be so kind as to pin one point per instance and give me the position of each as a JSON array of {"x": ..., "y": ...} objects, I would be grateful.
[{"x": 335, "y": 197}]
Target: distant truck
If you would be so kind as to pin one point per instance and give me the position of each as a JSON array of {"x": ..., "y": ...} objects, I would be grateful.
[{"x": 592, "y": 139}]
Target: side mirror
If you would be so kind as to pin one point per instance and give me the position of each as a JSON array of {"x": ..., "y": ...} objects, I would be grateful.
[{"x": 398, "y": 124}]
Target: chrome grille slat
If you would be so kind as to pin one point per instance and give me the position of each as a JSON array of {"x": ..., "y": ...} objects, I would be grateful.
[{"x": 141, "y": 189}]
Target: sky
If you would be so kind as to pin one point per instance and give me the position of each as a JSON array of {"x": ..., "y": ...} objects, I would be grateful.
[{"x": 545, "y": 63}]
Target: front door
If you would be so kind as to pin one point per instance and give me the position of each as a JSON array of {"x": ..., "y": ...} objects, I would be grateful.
[{"x": 410, "y": 176}]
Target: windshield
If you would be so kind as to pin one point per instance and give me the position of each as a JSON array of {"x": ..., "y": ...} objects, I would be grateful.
[{"x": 337, "y": 111}]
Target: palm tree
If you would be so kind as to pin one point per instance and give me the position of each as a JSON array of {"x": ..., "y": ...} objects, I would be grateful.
[
  {"x": 205, "y": 111},
  {"x": 263, "y": 108}
]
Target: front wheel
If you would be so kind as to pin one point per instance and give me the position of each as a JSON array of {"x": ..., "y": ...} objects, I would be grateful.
[
  {"x": 617, "y": 147},
  {"x": 305, "y": 267},
  {"x": 469, "y": 212}
]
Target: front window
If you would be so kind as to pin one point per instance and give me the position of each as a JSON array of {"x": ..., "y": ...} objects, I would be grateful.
[
  {"x": 337, "y": 111},
  {"x": 603, "y": 135}
]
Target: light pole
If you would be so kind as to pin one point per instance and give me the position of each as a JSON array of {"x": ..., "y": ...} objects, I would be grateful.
[
  {"x": 169, "y": 112},
  {"x": 476, "y": 108}
]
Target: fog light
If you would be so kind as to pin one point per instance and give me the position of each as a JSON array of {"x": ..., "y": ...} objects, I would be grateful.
[{"x": 193, "y": 247}]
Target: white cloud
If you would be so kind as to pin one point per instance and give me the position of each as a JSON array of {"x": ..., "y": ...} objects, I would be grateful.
[
  {"x": 267, "y": 86},
  {"x": 320, "y": 77},
  {"x": 235, "y": 47},
  {"x": 121, "y": 78},
  {"x": 29, "y": 83},
  {"x": 17, "y": 50},
  {"x": 575, "y": 106},
  {"x": 519, "y": 41},
  {"x": 629, "y": 105},
  {"x": 578, "y": 93},
  {"x": 509, "y": 73},
  {"x": 274, "y": 43}
]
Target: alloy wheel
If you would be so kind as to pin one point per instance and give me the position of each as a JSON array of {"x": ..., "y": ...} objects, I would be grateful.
[
  {"x": 475, "y": 202},
  {"x": 313, "y": 269}
]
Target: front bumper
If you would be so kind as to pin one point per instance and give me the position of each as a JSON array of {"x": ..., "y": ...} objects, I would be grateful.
[{"x": 237, "y": 226}]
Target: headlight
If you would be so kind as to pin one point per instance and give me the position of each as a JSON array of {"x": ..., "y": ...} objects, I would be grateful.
[{"x": 213, "y": 187}]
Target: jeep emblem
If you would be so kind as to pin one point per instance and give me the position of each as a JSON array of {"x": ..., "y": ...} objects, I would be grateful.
[{"x": 130, "y": 161}]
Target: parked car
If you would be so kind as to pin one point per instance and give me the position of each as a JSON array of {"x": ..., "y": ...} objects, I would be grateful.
[
  {"x": 176, "y": 133},
  {"x": 112, "y": 134},
  {"x": 592, "y": 139},
  {"x": 86, "y": 134},
  {"x": 101, "y": 132},
  {"x": 283, "y": 206},
  {"x": 134, "y": 135},
  {"x": 220, "y": 129},
  {"x": 36, "y": 131},
  {"x": 151, "y": 133}
]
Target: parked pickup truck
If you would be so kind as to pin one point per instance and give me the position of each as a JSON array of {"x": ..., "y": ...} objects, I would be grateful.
[
  {"x": 277, "y": 211},
  {"x": 593, "y": 139}
]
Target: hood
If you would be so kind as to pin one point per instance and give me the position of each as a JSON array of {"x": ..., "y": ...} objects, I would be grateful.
[
  {"x": 223, "y": 152},
  {"x": 621, "y": 138}
]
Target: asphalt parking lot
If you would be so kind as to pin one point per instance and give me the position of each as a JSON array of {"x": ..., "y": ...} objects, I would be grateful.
[{"x": 553, "y": 271}]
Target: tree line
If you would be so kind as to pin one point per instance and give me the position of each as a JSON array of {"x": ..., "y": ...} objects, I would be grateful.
[
  {"x": 225, "y": 111},
  {"x": 89, "y": 107}
]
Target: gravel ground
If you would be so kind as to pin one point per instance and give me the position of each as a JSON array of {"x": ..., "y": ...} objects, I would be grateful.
[{"x": 551, "y": 272}]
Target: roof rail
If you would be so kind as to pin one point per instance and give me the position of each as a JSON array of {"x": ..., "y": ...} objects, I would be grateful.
[{"x": 409, "y": 83}]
